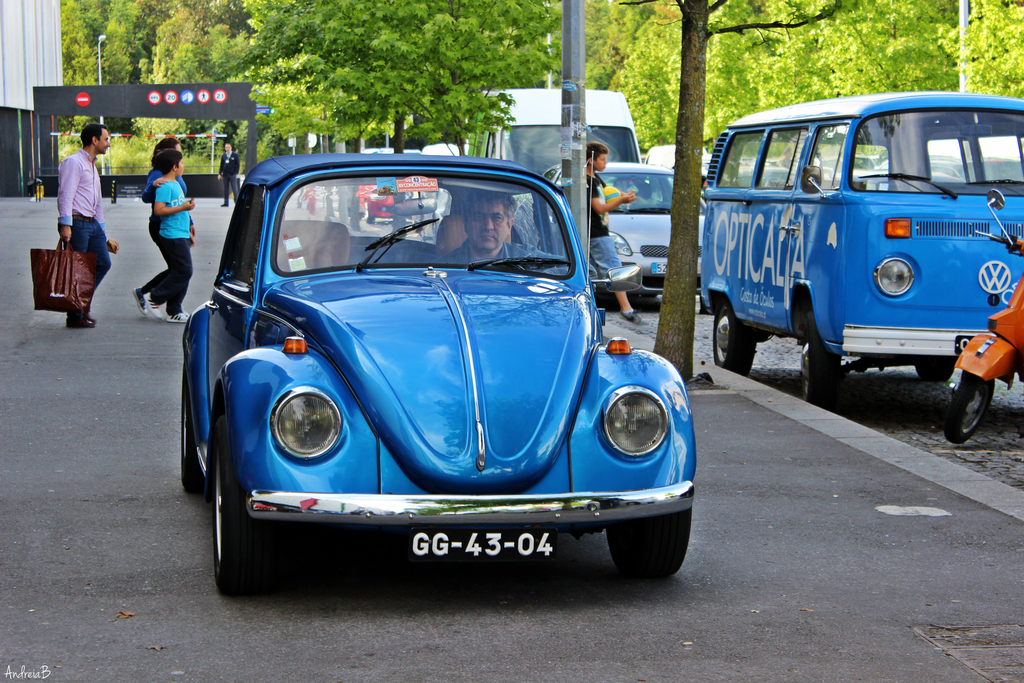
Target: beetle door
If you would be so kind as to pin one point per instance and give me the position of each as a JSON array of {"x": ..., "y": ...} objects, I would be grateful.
[{"x": 231, "y": 303}]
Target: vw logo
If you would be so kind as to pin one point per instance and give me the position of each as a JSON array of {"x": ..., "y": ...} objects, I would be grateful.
[{"x": 994, "y": 277}]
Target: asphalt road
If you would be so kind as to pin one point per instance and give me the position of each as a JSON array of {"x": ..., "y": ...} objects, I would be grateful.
[{"x": 106, "y": 567}]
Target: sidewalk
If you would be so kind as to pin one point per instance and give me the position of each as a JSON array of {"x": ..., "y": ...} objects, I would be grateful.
[{"x": 949, "y": 475}]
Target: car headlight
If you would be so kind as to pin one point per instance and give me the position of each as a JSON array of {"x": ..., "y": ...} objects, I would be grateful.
[
  {"x": 305, "y": 422},
  {"x": 894, "y": 276},
  {"x": 635, "y": 420},
  {"x": 622, "y": 247}
]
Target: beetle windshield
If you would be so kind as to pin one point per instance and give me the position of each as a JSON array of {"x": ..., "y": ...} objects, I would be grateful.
[
  {"x": 939, "y": 152},
  {"x": 440, "y": 221}
]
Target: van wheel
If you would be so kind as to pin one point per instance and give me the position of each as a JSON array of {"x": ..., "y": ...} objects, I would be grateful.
[
  {"x": 971, "y": 399},
  {"x": 734, "y": 343},
  {"x": 820, "y": 370},
  {"x": 243, "y": 553},
  {"x": 935, "y": 368}
]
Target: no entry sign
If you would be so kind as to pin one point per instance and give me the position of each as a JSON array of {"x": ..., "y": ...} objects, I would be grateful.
[{"x": 82, "y": 99}]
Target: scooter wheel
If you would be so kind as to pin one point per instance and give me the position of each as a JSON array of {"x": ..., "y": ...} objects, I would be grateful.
[{"x": 971, "y": 399}]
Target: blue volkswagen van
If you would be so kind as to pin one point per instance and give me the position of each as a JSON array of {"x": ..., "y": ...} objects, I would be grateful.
[{"x": 857, "y": 225}]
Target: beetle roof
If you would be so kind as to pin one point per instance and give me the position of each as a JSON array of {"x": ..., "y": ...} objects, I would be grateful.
[
  {"x": 277, "y": 169},
  {"x": 865, "y": 105}
]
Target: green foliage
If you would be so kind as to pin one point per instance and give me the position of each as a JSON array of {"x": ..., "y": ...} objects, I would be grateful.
[
  {"x": 995, "y": 63},
  {"x": 650, "y": 81},
  {"x": 346, "y": 66}
]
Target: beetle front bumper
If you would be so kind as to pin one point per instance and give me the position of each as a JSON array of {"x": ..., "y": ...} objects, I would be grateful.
[{"x": 408, "y": 510}]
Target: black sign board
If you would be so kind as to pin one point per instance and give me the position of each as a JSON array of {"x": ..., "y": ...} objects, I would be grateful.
[{"x": 217, "y": 101}]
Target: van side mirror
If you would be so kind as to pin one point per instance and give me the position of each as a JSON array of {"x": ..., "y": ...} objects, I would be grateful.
[
  {"x": 810, "y": 180},
  {"x": 996, "y": 199}
]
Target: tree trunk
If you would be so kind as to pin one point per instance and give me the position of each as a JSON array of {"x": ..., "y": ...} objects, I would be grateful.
[
  {"x": 398, "y": 141},
  {"x": 678, "y": 308}
]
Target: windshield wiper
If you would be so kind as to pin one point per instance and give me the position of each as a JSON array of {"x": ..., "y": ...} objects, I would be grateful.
[
  {"x": 516, "y": 261},
  {"x": 389, "y": 239},
  {"x": 907, "y": 176},
  {"x": 1001, "y": 181}
]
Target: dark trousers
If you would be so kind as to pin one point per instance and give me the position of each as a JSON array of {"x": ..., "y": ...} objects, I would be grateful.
[
  {"x": 154, "y": 234},
  {"x": 230, "y": 185},
  {"x": 88, "y": 236},
  {"x": 173, "y": 287}
]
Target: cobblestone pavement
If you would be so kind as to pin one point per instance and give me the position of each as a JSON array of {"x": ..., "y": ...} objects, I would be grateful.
[{"x": 894, "y": 402}]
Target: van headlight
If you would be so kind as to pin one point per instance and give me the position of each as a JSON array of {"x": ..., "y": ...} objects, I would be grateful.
[
  {"x": 305, "y": 422},
  {"x": 894, "y": 276},
  {"x": 635, "y": 420}
]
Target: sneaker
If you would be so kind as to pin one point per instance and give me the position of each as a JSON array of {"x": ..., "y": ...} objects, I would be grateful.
[
  {"x": 632, "y": 317},
  {"x": 140, "y": 300},
  {"x": 153, "y": 310},
  {"x": 181, "y": 317}
]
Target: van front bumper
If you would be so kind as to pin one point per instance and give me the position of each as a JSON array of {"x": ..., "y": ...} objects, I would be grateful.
[
  {"x": 408, "y": 510},
  {"x": 898, "y": 341}
]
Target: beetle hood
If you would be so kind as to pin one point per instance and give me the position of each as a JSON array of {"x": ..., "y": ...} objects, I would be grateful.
[{"x": 427, "y": 357}]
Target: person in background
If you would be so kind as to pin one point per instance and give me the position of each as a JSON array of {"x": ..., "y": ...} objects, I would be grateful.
[
  {"x": 172, "y": 207},
  {"x": 80, "y": 209},
  {"x": 228, "y": 173},
  {"x": 155, "y": 180},
  {"x": 602, "y": 247}
]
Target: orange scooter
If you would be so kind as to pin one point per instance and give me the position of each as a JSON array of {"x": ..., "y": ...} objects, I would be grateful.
[{"x": 989, "y": 356}]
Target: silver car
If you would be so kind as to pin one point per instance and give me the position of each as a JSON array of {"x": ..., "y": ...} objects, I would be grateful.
[{"x": 641, "y": 230}]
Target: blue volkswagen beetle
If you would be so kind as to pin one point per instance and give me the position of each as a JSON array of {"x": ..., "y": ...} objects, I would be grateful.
[{"x": 441, "y": 374}]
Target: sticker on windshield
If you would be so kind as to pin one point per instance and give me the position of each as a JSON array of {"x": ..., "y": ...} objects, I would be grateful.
[
  {"x": 292, "y": 243},
  {"x": 386, "y": 186},
  {"x": 417, "y": 183}
]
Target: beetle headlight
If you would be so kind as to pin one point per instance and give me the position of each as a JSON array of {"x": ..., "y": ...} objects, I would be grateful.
[
  {"x": 305, "y": 422},
  {"x": 894, "y": 276},
  {"x": 635, "y": 420}
]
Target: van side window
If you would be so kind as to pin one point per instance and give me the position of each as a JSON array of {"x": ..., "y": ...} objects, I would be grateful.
[
  {"x": 828, "y": 154},
  {"x": 740, "y": 159},
  {"x": 778, "y": 170}
]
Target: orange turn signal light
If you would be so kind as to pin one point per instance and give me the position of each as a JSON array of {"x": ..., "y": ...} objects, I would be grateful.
[
  {"x": 897, "y": 227},
  {"x": 295, "y": 345},
  {"x": 619, "y": 347}
]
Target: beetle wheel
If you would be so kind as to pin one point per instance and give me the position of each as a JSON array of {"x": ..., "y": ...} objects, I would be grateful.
[
  {"x": 734, "y": 343},
  {"x": 243, "y": 558},
  {"x": 192, "y": 478},
  {"x": 971, "y": 400},
  {"x": 650, "y": 548},
  {"x": 820, "y": 369}
]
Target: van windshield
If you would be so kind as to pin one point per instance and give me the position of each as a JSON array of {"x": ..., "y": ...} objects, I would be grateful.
[
  {"x": 934, "y": 152},
  {"x": 536, "y": 147}
]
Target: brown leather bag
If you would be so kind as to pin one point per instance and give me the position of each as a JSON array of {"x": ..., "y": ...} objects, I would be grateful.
[{"x": 62, "y": 279}]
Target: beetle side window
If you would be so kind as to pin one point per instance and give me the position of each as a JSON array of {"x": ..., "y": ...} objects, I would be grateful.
[
  {"x": 828, "y": 154},
  {"x": 778, "y": 171},
  {"x": 738, "y": 168},
  {"x": 243, "y": 241}
]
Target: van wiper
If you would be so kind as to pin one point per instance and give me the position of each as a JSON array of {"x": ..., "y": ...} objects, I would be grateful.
[
  {"x": 516, "y": 261},
  {"x": 907, "y": 176},
  {"x": 1001, "y": 181},
  {"x": 390, "y": 238}
]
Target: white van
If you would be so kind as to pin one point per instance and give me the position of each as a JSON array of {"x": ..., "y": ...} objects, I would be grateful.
[
  {"x": 665, "y": 155},
  {"x": 534, "y": 138}
]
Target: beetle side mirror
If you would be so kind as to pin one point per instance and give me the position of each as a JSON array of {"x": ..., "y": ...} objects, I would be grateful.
[
  {"x": 624, "y": 278},
  {"x": 810, "y": 180}
]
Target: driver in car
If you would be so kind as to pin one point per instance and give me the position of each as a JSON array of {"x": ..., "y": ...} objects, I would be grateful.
[{"x": 488, "y": 223}]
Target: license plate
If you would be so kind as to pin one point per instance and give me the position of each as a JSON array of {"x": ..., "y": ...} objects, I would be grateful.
[
  {"x": 482, "y": 545},
  {"x": 659, "y": 268},
  {"x": 961, "y": 342}
]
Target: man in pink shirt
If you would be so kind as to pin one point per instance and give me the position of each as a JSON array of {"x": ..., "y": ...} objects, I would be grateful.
[{"x": 80, "y": 208}]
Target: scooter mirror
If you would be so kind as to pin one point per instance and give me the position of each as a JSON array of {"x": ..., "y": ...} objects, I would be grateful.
[{"x": 996, "y": 199}]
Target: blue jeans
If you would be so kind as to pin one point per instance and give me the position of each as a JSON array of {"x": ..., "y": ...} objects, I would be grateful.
[
  {"x": 603, "y": 255},
  {"x": 88, "y": 236}
]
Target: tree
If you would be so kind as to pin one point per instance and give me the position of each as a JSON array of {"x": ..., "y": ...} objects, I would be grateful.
[
  {"x": 995, "y": 64},
  {"x": 676, "y": 327},
  {"x": 433, "y": 59}
]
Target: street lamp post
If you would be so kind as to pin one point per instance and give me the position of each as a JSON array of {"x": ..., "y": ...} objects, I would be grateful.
[{"x": 99, "y": 65}]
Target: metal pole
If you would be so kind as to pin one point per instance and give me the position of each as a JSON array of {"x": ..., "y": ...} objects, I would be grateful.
[
  {"x": 99, "y": 65},
  {"x": 574, "y": 118},
  {"x": 965, "y": 11}
]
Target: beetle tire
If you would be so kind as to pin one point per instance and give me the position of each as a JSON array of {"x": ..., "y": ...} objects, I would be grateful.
[
  {"x": 192, "y": 478},
  {"x": 650, "y": 548},
  {"x": 820, "y": 370},
  {"x": 733, "y": 342},
  {"x": 243, "y": 557},
  {"x": 971, "y": 400},
  {"x": 935, "y": 368}
]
